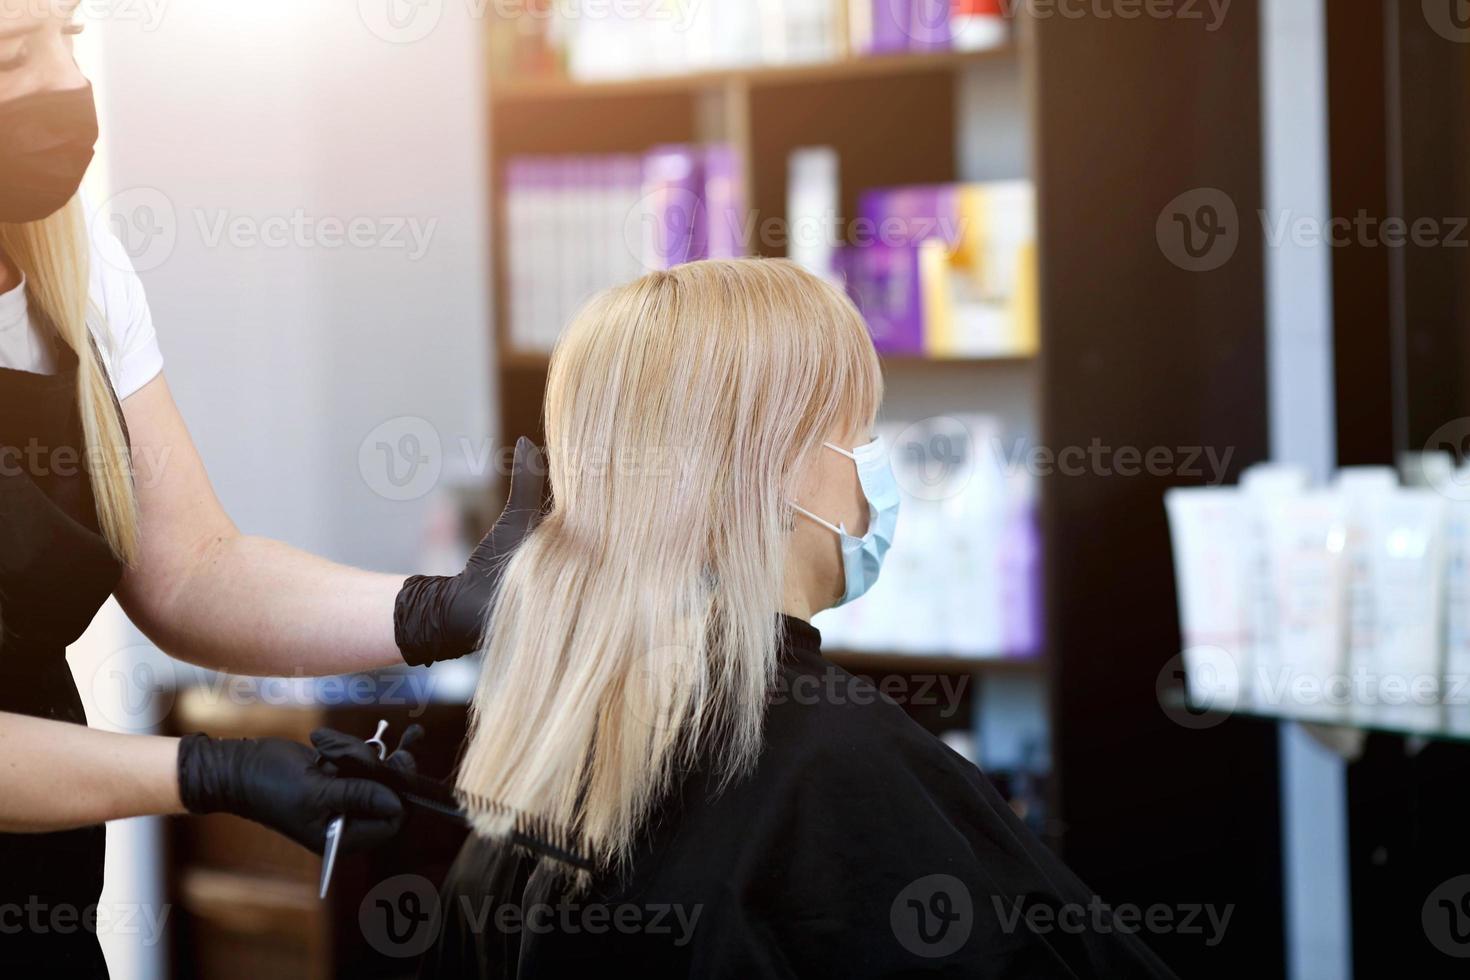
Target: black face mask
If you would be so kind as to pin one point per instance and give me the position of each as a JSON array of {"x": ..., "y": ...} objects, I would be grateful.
[{"x": 46, "y": 142}]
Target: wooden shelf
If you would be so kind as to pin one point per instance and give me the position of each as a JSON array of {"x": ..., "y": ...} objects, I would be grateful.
[
  {"x": 1437, "y": 722},
  {"x": 524, "y": 360},
  {"x": 853, "y": 105},
  {"x": 531, "y": 361},
  {"x": 990, "y": 360},
  {"x": 884, "y": 661},
  {"x": 528, "y": 90}
]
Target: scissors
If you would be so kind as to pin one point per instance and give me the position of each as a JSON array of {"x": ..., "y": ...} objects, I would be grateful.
[{"x": 334, "y": 829}]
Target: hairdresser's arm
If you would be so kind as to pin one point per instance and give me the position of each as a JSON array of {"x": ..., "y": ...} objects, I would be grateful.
[
  {"x": 206, "y": 593},
  {"x": 106, "y": 776},
  {"x": 273, "y": 781}
]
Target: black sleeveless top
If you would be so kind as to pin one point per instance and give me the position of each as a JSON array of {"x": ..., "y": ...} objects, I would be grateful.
[{"x": 56, "y": 570}]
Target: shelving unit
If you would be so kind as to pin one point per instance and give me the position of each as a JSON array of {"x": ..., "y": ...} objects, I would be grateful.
[
  {"x": 536, "y": 361},
  {"x": 510, "y": 90},
  {"x": 1432, "y": 722},
  {"x": 854, "y": 105},
  {"x": 1110, "y": 119},
  {"x": 878, "y": 661}
]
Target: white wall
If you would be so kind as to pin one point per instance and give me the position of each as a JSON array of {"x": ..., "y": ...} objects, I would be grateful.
[{"x": 283, "y": 359}]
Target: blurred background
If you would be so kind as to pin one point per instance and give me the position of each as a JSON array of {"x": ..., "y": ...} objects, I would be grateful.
[{"x": 1171, "y": 299}]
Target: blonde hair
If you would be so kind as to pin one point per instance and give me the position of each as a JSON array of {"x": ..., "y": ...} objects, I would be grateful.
[
  {"x": 54, "y": 255},
  {"x": 636, "y": 631}
]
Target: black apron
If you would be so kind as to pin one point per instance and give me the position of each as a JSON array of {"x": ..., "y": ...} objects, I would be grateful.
[
  {"x": 56, "y": 570},
  {"x": 860, "y": 846}
]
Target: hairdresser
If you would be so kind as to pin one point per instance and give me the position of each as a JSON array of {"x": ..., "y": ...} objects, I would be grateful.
[{"x": 81, "y": 378}]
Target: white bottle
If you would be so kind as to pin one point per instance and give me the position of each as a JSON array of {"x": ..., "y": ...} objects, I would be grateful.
[
  {"x": 541, "y": 247},
  {"x": 1307, "y": 534},
  {"x": 1456, "y": 684},
  {"x": 977, "y": 25},
  {"x": 1206, "y": 530},
  {"x": 1260, "y": 485},
  {"x": 1407, "y": 575},
  {"x": 812, "y": 209},
  {"x": 519, "y": 202},
  {"x": 1361, "y": 487},
  {"x": 974, "y": 521}
]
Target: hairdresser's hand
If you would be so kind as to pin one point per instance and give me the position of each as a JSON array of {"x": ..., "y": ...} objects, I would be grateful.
[
  {"x": 440, "y": 617},
  {"x": 333, "y": 747},
  {"x": 279, "y": 783}
]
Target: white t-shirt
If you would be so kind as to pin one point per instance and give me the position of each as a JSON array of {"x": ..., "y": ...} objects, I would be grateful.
[{"x": 124, "y": 335}]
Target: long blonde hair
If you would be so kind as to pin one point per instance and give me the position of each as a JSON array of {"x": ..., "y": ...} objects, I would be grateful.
[
  {"x": 54, "y": 254},
  {"x": 636, "y": 631}
]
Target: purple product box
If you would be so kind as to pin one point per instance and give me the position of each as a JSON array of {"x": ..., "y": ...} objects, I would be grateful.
[
  {"x": 625, "y": 174},
  {"x": 895, "y": 216},
  {"x": 892, "y": 26},
  {"x": 523, "y": 173},
  {"x": 884, "y": 283},
  {"x": 517, "y": 173},
  {"x": 724, "y": 204},
  {"x": 625, "y": 171},
  {"x": 883, "y": 266},
  {"x": 929, "y": 25},
  {"x": 673, "y": 188},
  {"x": 1021, "y": 583}
]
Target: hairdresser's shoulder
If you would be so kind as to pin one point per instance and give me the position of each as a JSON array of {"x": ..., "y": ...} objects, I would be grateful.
[{"x": 125, "y": 332}]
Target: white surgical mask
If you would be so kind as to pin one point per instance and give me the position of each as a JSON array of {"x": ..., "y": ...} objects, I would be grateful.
[{"x": 862, "y": 558}]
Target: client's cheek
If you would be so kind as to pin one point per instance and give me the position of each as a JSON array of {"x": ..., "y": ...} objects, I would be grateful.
[
  {"x": 857, "y": 509},
  {"x": 837, "y": 576}
]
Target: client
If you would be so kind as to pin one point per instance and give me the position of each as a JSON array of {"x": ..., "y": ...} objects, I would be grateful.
[{"x": 653, "y": 685}]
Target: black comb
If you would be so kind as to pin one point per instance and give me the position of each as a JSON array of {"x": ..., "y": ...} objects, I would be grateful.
[{"x": 534, "y": 834}]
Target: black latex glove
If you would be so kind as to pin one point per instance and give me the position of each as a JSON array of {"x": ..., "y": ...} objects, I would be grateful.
[
  {"x": 283, "y": 785},
  {"x": 441, "y": 617},
  {"x": 332, "y": 746}
]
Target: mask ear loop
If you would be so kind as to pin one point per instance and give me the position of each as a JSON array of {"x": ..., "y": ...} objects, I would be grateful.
[
  {"x": 872, "y": 510},
  {"x": 827, "y": 524},
  {"x": 840, "y": 532}
]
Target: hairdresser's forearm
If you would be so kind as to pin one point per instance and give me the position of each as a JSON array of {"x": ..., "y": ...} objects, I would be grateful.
[
  {"x": 208, "y": 594},
  {"x": 249, "y": 605},
  {"x": 56, "y": 776}
]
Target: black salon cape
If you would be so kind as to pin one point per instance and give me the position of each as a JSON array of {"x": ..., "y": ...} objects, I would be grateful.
[{"x": 861, "y": 846}]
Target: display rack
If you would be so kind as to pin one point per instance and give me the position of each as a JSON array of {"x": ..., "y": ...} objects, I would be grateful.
[
  {"x": 504, "y": 91},
  {"x": 854, "y": 105},
  {"x": 1110, "y": 119},
  {"x": 1435, "y": 722}
]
